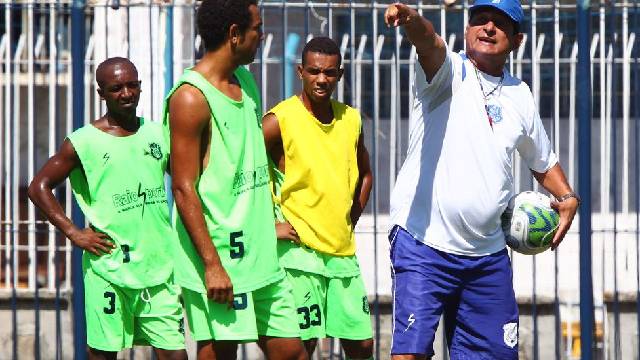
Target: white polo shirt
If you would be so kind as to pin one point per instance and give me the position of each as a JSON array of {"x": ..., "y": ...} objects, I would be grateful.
[{"x": 457, "y": 178}]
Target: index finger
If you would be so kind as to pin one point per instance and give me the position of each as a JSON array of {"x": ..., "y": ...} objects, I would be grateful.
[
  {"x": 392, "y": 11},
  {"x": 559, "y": 236},
  {"x": 229, "y": 294}
]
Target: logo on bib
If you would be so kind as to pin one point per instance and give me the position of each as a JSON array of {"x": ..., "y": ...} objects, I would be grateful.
[
  {"x": 365, "y": 305},
  {"x": 510, "y": 334},
  {"x": 154, "y": 150}
]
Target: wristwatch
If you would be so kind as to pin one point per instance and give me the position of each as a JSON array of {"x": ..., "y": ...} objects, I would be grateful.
[{"x": 570, "y": 195}]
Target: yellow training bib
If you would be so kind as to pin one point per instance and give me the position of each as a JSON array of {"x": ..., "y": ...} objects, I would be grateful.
[{"x": 321, "y": 174}]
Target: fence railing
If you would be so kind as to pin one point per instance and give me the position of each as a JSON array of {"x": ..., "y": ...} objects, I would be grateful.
[{"x": 161, "y": 39}]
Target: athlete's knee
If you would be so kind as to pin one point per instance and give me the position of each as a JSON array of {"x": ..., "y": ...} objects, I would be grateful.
[
  {"x": 282, "y": 348},
  {"x": 95, "y": 354},
  {"x": 296, "y": 352},
  {"x": 410, "y": 357},
  {"x": 310, "y": 346},
  {"x": 212, "y": 350},
  {"x": 358, "y": 349},
  {"x": 163, "y": 354}
]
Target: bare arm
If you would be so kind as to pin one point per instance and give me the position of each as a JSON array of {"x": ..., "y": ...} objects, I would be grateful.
[
  {"x": 273, "y": 139},
  {"x": 363, "y": 190},
  {"x": 189, "y": 119},
  {"x": 273, "y": 144},
  {"x": 52, "y": 174},
  {"x": 556, "y": 183},
  {"x": 430, "y": 47}
]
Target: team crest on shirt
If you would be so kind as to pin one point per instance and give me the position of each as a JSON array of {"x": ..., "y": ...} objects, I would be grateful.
[
  {"x": 495, "y": 112},
  {"x": 510, "y": 334},
  {"x": 154, "y": 150}
]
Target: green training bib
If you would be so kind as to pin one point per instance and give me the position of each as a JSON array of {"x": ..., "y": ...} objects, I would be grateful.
[
  {"x": 234, "y": 191},
  {"x": 121, "y": 191}
]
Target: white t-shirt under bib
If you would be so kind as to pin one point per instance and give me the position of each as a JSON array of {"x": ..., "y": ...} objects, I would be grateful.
[{"x": 457, "y": 178}]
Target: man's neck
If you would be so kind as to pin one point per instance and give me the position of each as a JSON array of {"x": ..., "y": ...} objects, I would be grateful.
[
  {"x": 320, "y": 110},
  {"x": 128, "y": 122},
  {"x": 217, "y": 65},
  {"x": 492, "y": 66}
]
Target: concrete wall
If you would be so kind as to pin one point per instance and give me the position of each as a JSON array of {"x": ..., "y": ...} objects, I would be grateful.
[{"x": 628, "y": 348}]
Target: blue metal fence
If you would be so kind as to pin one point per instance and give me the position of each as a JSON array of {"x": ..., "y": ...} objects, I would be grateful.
[{"x": 580, "y": 60}]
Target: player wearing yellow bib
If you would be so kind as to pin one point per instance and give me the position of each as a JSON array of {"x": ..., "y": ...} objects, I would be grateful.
[
  {"x": 321, "y": 184},
  {"x": 234, "y": 289},
  {"x": 116, "y": 166}
]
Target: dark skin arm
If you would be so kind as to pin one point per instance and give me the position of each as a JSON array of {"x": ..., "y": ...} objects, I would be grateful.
[
  {"x": 189, "y": 120},
  {"x": 556, "y": 183},
  {"x": 363, "y": 190},
  {"x": 429, "y": 45},
  {"x": 275, "y": 149},
  {"x": 52, "y": 174}
]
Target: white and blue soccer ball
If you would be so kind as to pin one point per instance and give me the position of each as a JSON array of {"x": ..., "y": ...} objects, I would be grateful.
[{"x": 529, "y": 223}]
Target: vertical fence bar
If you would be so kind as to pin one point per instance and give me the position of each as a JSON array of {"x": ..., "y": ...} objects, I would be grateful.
[
  {"x": 9, "y": 183},
  {"x": 7, "y": 146},
  {"x": 283, "y": 94},
  {"x": 516, "y": 163},
  {"x": 15, "y": 195},
  {"x": 263, "y": 70},
  {"x": 53, "y": 51},
  {"x": 53, "y": 258},
  {"x": 77, "y": 69},
  {"x": 68, "y": 201},
  {"x": 556, "y": 124},
  {"x": 636, "y": 83},
  {"x": 151, "y": 59},
  {"x": 572, "y": 112},
  {"x": 378, "y": 42},
  {"x": 30, "y": 145},
  {"x": 397, "y": 110},
  {"x": 168, "y": 49},
  {"x": 604, "y": 179},
  {"x": 3, "y": 48},
  {"x": 89, "y": 54},
  {"x": 31, "y": 227},
  {"x": 583, "y": 30},
  {"x": 626, "y": 78},
  {"x": 613, "y": 158},
  {"x": 343, "y": 52},
  {"x": 535, "y": 80},
  {"x": 352, "y": 53}
]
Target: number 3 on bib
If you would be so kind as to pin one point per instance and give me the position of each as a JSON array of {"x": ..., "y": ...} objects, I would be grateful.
[{"x": 237, "y": 246}]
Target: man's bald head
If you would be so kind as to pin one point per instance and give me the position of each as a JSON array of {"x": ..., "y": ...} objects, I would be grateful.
[{"x": 109, "y": 66}]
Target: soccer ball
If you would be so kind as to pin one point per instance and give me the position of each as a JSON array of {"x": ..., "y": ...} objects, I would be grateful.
[{"x": 529, "y": 223}]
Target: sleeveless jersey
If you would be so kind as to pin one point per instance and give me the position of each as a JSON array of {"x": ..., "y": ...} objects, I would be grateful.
[
  {"x": 234, "y": 191},
  {"x": 321, "y": 175},
  {"x": 121, "y": 191}
]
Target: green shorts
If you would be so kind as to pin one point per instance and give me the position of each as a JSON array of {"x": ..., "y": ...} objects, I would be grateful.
[
  {"x": 335, "y": 307},
  {"x": 268, "y": 311},
  {"x": 118, "y": 318}
]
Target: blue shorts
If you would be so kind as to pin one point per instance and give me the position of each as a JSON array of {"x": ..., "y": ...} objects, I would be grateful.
[{"x": 475, "y": 294}]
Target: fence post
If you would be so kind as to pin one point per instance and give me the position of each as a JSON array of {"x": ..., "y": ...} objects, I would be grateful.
[
  {"x": 77, "y": 55},
  {"x": 584, "y": 179}
]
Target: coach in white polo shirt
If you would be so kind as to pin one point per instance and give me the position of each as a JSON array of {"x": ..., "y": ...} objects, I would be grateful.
[{"x": 448, "y": 249}]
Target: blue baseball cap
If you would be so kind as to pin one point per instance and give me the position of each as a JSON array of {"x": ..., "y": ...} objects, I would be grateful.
[{"x": 512, "y": 8}]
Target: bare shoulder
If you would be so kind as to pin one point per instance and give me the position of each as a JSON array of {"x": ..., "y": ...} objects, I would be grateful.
[
  {"x": 188, "y": 102},
  {"x": 270, "y": 129},
  {"x": 270, "y": 119}
]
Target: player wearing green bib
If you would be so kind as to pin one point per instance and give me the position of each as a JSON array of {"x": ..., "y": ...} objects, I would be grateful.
[
  {"x": 116, "y": 167},
  {"x": 233, "y": 286},
  {"x": 322, "y": 181}
]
